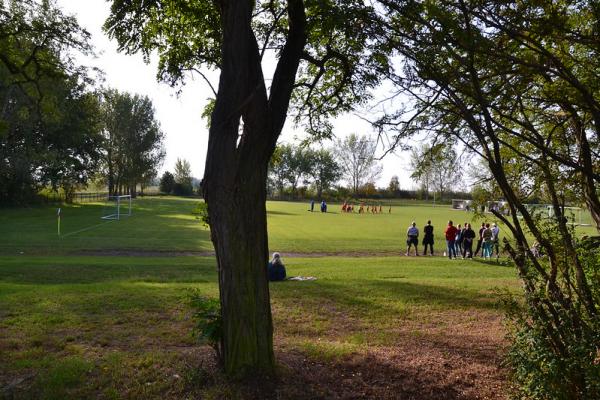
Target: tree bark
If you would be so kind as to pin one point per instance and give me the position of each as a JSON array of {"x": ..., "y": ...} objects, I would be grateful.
[{"x": 234, "y": 183}]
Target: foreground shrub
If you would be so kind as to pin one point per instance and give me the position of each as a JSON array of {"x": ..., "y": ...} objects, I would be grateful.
[
  {"x": 207, "y": 322},
  {"x": 555, "y": 340}
]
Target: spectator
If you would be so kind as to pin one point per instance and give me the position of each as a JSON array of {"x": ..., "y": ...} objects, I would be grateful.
[
  {"x": 412, "y": 238},
  {"x": 496, "y": 239},
  {"x": 428, "y": 238},
  {"x": 487, "y": 235},
  {"x": 276, "y": 269},
  {"x": 480, "y": 240},
  {"x": 468, "y": 236},
  {"x": 458, "y": 240},
  {"x": 450, "y": 234}
]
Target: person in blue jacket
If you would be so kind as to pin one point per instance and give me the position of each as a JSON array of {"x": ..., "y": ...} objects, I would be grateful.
[{"x": 275, "y": 268}]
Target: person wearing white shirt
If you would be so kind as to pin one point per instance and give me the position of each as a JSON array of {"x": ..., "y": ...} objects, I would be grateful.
[
  {"x": 412, "y": 238},
  {"x": 496, "y": 239}
]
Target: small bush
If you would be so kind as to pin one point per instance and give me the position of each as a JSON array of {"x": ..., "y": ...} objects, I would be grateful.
[
  {"x": 208, "y": 322},
  {"x": 183, "y": 189},
  {"x": 201, "y": 212}
]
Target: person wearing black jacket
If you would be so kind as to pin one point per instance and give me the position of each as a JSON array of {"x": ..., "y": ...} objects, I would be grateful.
[
  {"x": 480, "y": 240},
  {"x": 468, "y": 236},
  {"x": 428, "y": 238}
]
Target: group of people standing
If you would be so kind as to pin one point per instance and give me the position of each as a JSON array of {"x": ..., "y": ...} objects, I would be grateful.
[{"x": 459, "y": 240}]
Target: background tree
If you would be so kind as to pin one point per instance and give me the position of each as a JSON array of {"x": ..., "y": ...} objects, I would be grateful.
[
  {"x": 394, "y": 186},
  {"x": 183, "y": 178},
  {"x": 167, "y": 182},
  {"x": 325, "y": 64},
  {"x": 278, "y": 167},
  {"x": 298, "y": 166},
  {"x": 436, "y": 167},
  {"x": 323, "y": 169},
  {"x": 513, "y": 82},
  {"x": 49, "y": 131},
  {"x": 356, "y": 157},
  {"x": 133, "y": 141}
]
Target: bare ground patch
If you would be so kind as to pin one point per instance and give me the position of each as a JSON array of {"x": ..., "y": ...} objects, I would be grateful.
[{"x": 458, "y": 358}]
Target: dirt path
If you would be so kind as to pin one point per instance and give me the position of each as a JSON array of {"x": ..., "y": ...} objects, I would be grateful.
[{"x": 187, "y": 253}]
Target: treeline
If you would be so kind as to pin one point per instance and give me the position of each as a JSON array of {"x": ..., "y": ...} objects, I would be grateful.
[
  {"x": 58, "y": 130},
  {"x": 180, "y": 182},
  {"x": 299, "y": 172}
]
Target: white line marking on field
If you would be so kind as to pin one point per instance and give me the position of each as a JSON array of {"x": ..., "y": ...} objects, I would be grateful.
[{"x": 86, "y": 229}]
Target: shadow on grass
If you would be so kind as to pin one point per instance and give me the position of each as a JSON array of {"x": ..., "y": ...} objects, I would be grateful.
[
  {"x": 49, "y": 272},
  {"x": 382, "y": 296},
  {"x": 274, "y": 212},
  {"x": 358, "y": 376}
]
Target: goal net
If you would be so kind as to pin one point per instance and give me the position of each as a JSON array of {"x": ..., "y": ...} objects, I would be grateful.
[
  {"x": 459, "y": 204},
  {"x": 498, "y": 206},
  {"x": 574, "y": 215},
  {"x": 116, "y": 207}
]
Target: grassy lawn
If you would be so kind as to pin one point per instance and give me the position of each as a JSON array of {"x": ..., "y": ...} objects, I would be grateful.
[
  {"x": 102, "y": 311},
  {"x": 119, "y": 327}
]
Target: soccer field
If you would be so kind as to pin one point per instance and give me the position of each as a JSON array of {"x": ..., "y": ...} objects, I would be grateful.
[
  {"x": 101, "y": 313},
  {"x": 167, "y": 224}
]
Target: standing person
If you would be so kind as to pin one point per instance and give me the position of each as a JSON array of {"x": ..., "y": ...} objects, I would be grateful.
[
  {"x": 312, "y": 205},
  {"x": 468, "y": 237},
  {"x": 496, "y": 240},
  {"x": 480, "y": 240},
  {"x": 275, "y": 268},
  {"x": 458, "y": 240},
  {"x": 486, "y": 235},
  {"x": 412, "y": 238},
  {"x": 450, "y": 234},
  {"x": 428, "y": 238}
]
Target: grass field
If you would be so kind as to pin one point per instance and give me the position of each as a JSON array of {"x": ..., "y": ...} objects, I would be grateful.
[
  {"x": 95, "y": 325},
  {"x": 166, "y": 224}
]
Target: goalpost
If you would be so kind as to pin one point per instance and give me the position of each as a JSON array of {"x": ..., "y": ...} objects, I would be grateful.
[
  {"x": 116, "y": 207},
  {"x": 574, "y": 215},
  {"x": 460, "y": 204}
]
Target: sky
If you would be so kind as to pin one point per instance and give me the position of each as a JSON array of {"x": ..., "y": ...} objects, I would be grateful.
[{"x": 186, "y": 134}]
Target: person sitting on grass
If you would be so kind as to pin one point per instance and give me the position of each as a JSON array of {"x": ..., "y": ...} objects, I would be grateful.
[
  {"x": 276, "y": 269},
  {"x": 412, "y": 238}
]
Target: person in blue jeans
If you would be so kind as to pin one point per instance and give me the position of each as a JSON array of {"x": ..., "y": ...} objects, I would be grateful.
[
  {"x": 450, "y": 234},
  {"x": 487, "y": 236},
  {"x": 275, "y": 268},
  {"x": 458, "y": 240}
]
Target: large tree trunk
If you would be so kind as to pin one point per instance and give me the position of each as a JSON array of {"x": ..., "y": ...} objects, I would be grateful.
[
  {"x": 235, "y": 178},
  {"x": 241, "y": 245}
]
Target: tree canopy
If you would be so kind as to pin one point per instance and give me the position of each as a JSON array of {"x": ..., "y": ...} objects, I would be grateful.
[
  {"x": 49, "y": 125},
  {"x": 133, "y": 141},
  {"x": 356, "y": 157},
  {"x": 512, "y": 81}
]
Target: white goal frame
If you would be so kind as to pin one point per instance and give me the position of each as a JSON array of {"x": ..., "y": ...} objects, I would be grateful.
[
  {"x": 500, "y": 206},
  {"x": 120, "y": 201},
  {"x": 460, "y": 204},
  {"x": 573, "y": 214}
]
